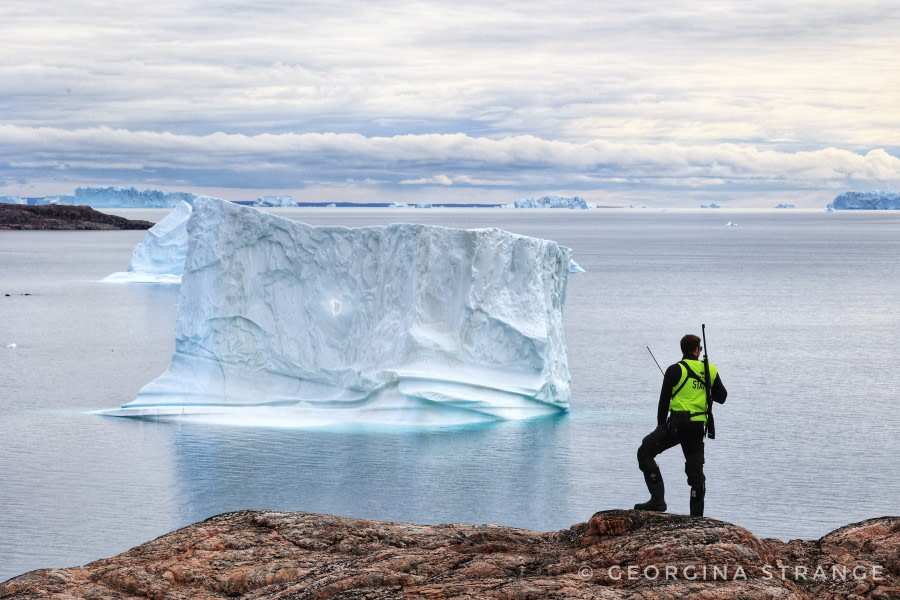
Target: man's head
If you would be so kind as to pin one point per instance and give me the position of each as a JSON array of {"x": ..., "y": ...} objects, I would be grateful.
[{"x": 690, "y": 345}]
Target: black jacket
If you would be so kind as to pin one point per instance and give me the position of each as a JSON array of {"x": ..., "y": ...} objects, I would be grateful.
[{"x": 671, "y": 379}]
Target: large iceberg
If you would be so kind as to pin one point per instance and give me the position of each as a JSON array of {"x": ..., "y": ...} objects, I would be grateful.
[
  {"x": 160, "y": 257},
  {"x": 551, "y": 202},
  {"x": 873, "y": 200},
  {"x": 117, "y": 197},
  {"x": 286, "y": 324},
  {"x": 13, "y": 200},
  {"x": 284, "y": 201}
]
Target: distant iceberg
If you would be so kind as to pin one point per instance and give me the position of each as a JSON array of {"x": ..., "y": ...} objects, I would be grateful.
[
  {"x": 284, "y": 201},
  {"x": 286, "y": 324},
  {"x": 785, "y": 206},
  {"x": 710, "y": 205},
  {"x": 117, "y": 197},
  {"x": 551, "y": 202},
  {"x": 873, "y": 200},
  {"x": 160, "y": 257},
  {"x": 12, "y": 200}
]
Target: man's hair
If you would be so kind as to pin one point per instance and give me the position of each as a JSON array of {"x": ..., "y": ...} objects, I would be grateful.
[{"x": 689, "y": 343}]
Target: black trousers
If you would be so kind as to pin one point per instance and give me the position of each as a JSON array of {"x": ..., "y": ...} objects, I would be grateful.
[{"x": 667, "y": 435}]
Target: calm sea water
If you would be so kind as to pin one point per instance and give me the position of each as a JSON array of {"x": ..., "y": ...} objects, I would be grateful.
[{"x": 802, "y": 321}]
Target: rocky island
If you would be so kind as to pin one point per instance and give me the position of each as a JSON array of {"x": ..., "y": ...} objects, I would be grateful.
[
  {"x": 25, "y": 217},
  {"x": 616, "y": 554}
]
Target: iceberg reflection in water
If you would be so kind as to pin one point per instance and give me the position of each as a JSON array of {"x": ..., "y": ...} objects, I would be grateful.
[
  {"x": 286, "y": 324},
  {"x": 506, "y": 472}
]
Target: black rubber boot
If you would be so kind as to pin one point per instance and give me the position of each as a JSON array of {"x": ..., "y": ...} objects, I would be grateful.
[
  {"x": 698, "y": 493},
  {"x": 657, "y": 489}
]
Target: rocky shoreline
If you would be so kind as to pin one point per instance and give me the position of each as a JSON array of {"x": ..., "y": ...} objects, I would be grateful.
[
  {"x": 617, "y": 554},
  {"x": 67, "y": 218}
]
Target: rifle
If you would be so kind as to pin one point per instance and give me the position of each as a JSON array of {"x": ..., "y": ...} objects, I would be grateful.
[
  {"x": 656, "y": 361},
  {"x": 710, "y": 423}
]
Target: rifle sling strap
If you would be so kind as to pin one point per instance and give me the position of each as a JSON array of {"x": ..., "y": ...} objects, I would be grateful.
[{"x": 690, "y": 375}]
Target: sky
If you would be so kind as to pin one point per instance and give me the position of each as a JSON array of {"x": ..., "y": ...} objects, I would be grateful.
[{"x": 620, "y": 102}]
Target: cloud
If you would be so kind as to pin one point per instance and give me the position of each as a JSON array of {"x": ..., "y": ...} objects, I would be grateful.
[
  {"x": 517, "y": 161},
  {"x": 692, "y": 72},
  {"x": 435, "y": 180},
  {"x": 505, "y": 93}
]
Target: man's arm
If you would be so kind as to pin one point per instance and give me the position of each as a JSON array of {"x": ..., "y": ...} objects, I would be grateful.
[
  {"x": 719, "y": 393},
  {"x": 670, "y": 380}
]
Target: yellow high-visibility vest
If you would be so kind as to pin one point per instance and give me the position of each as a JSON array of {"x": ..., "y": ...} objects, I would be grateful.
[{"x": 690, "y": 393}]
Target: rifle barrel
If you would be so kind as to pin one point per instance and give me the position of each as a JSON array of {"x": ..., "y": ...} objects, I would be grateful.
[{"x": 656, "y": 361}]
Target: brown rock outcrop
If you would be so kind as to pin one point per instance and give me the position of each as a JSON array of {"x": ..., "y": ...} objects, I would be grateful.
[
  {"x": 617, "y": 554},
  {"x": 50, "y": 216}
]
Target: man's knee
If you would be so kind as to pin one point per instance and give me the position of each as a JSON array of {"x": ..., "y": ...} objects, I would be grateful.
[
  {"x": 646, "y": 455},
  {"x": 642, "y": 457},
  {"x": 651, "y": 447},
  {"x": 646, "y": 447}
]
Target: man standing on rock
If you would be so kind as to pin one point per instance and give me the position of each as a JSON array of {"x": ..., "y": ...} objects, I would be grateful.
[{"x": 683, "y": 399}]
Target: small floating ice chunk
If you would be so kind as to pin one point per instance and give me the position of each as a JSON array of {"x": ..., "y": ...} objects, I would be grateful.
[
  {"x": 12, "y": 345},
  {"x": 730, "y": 224},
  {"x": 574, "y": 267}
]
